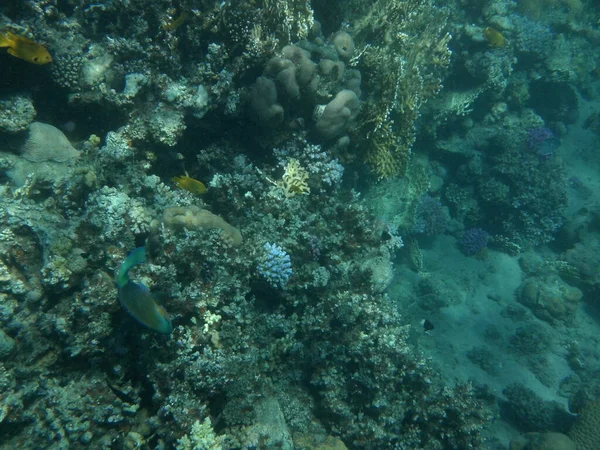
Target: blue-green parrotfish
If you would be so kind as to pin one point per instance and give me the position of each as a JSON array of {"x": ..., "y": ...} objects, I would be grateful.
[{"x": 137, "y": 299}]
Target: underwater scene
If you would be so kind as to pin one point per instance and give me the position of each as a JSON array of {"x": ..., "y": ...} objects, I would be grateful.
[{"x": 300, "y": 224}]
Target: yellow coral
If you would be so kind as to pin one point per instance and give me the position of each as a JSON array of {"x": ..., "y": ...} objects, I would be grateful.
[
  {"x": 294, "y": 180},
  {"x": 387, "y": 156}
]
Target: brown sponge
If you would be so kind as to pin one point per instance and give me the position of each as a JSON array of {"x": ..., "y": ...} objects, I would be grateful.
[
  {"x": 193, "y": 217},
  {"x": 338, "y": 113}
]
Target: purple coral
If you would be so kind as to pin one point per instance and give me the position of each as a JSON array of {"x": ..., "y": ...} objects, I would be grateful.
[
  {"x": 431, "y": 218},
  {"x": 473, "y": 241},
  {"x": 542, "y": 141}
]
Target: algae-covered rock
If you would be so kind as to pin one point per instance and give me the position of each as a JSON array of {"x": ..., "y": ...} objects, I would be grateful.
[
  {"x": 7, "y": 345},
  {"x": 550, "y": 298},
  {"x": 16, "y": 113}
]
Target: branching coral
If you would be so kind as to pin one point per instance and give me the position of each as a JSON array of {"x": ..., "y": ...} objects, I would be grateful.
[
  {"x": 294, "y": 180},
  {"x": 405, "y": 55},
  {"x": 290, "y": 20}
]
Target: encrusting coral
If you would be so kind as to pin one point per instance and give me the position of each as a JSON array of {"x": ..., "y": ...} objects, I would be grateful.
[{"x": 193, "y": 217}]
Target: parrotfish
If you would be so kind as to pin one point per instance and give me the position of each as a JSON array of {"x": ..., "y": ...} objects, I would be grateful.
[{"x": 136, "y": 298}]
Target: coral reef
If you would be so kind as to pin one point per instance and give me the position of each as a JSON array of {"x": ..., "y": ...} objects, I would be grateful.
[{"x": 357, "y": 155}]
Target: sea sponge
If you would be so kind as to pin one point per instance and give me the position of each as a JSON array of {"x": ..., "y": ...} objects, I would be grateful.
[
  {"x": 305, "y": 68},
  {"x": 47, "y": 143},
  {"x": 332, "y": 69},
  {"x": 192, "y": 217},
  {"x": 287, "y": 79},
  {"x": 344, "y": 45},
  {"x": 263, "y": 100},
  {"x": 338, "y": 113}
]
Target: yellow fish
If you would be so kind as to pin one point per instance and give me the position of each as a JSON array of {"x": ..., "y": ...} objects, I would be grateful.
[
  {"x": 494, "y": 38},
  {"x": 173, "y": 24},
  {"x": 24, "y": 48},
  {"x": 189, "y": 184}
]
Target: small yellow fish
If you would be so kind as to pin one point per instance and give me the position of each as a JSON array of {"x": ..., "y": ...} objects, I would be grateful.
[
  {"x": 189, "y": 184},
  {"x": 24, "y": 48},
  {"x": 494, "y": 38},
  {"x": 173, "y": 24}
]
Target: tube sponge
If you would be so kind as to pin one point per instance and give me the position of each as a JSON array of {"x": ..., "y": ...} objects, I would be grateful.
[
  {"x": 338, "y": 113},
  {"x": 305, "y": 68},
  {"x": 344, "y": 45},
  {"x": 263, "y": 100}
]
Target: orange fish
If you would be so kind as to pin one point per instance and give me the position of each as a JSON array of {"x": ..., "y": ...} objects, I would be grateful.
[
  {"x": 191, "y": 185},
  {"x": 24, "y": 48}
]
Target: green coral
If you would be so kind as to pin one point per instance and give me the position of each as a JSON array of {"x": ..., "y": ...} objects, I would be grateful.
[
  {"x": 404, "y": 58},
  {"x": 290, "y": 21}
]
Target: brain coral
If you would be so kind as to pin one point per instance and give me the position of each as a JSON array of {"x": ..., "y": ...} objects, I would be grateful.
[
  {"x": 542, "y": 441},
  {"x": 586, "y": 430},
  {"x": 193, "y": 217},
  {"x": 47, "y": 143}
]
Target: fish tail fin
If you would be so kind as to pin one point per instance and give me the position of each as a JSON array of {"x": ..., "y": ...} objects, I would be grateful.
[
  {"x": 5, "y": 40},
  {"x": 138, "y": 256}
]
